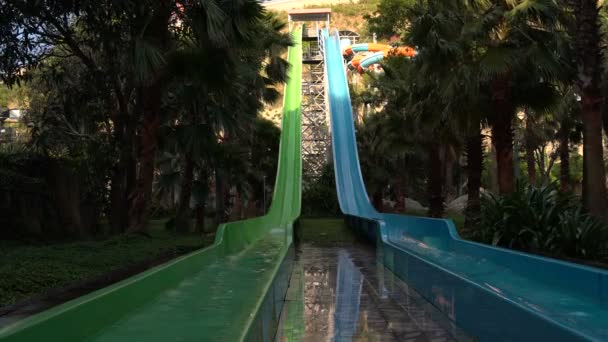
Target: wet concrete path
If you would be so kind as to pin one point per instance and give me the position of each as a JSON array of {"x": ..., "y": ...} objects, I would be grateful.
[{"x": 339, "y": 293}]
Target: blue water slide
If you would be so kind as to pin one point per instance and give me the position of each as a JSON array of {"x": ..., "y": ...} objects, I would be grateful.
[
  {"x": 372, "y": 59},
  {"x": 494, "y": 294},
  {"x": 363, "y": 47}
]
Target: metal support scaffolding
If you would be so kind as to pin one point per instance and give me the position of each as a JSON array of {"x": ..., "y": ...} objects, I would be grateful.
[
  {"x": 316, "y": 139},
  {"x": 315, "y": 129}
]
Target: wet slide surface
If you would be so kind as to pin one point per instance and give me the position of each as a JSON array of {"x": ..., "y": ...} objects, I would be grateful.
[
  {"x": 203, "y": 301},
  {"x": 339, "y": 292}
]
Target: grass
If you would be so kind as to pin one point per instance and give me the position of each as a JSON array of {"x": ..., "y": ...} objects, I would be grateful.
[
  {"x": 333, "y": 231},
  {"x": 28, "y": 269},
  {"x": 326, "y": 232}
]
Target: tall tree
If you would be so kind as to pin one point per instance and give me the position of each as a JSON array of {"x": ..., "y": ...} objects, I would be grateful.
[
  {"x": 588, "y": 65},
  {"x": 448, "y": 59}
]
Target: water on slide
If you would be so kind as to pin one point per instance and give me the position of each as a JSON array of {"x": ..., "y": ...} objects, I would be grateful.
[
  {"x": 339, "y": 292},
  {"x": 202, "y": 302}
]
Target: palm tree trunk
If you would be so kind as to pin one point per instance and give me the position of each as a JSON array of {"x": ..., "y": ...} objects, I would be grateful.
[
  {"x": 435, "y": 181},
  {"x": 605, "y": 118},
  {"x": 157, "y": 31},
  {"x": 143, "y": 190},
  {"x": 502, "y": 134},
  {"x": 123, "y": 174},
  {"x": 564, "y": 157},
  {"x": 182, "y": 220},
  {"x": 400, "y": 194},
  {"x": 220, "y": 189},
  {"x": 448, "y": 176},
  {"x": 378, "y": 200},
  {"x": 200, "y": 218},
  {"x": 200, "y": 210},
  {"x": 474, "y": 146},
  {"x": 530, "y": 162},
  {"x": 587, "y": 40}
]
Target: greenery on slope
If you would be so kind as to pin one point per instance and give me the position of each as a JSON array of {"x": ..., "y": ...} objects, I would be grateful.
[{"x": 33, "y": 268}]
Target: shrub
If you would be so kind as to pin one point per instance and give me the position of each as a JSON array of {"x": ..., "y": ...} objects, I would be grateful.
[
  {"x": 319, "y": 198},
  {"x": 541, "y": 220}
]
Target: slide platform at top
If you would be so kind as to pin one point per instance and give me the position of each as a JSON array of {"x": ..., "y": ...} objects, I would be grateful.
[
  {"x": 231, "y": 291},
  {"x": 493, "y": 293}
]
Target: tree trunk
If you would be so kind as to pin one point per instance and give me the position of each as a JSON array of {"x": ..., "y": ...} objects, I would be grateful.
[
  {"x": 157, "y": 32},
  {"x": 182, "y": 219},
  {"x": 378, "y": 200},
  {"x": 474, "y": 146},
  {"x": 200, "y": 218},
  {"x": 201, "y": 203},
  {"x": 587, "y": 47},
  {"x": 530, "y": 162},
  {"x": 400, "y": 194},
  {"x": 502, "y": 134},
  {"x": 435, "y": 181},
  {"x": 145, "y": 177},
  {"x": 123, "y": 175},
  {"x": 605, "y": 118},
  {"x": 220, "y": 189},
  {"x": 119, "y": 203},
  {"x": 594, "y": 176},
  {"x": 448, "y": 176},
  {"x": 564, "y": 158},
  {"x": 493, "y": 171}
]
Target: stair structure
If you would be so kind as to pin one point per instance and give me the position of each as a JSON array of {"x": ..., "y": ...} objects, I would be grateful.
[{"x": 316, "y": 136}]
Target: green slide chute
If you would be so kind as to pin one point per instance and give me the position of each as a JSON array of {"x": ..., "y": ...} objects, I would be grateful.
[{"x": 231, "y": 291}]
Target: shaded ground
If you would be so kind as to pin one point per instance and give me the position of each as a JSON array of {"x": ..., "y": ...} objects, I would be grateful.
[
  {"x": 58, "y": 272},
  {"x": 339, "y": 293}
]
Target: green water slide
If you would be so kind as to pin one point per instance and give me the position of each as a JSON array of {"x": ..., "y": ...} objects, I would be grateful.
[{"x": 231, "y": 291}]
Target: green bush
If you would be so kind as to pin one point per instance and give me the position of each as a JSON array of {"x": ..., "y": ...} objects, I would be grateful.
[
  {"x": 319, "y": 198},
  {"x": 541, "y": 220}
]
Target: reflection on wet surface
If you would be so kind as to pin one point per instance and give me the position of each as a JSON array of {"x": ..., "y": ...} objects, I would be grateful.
[{"x": 342, "y": 294}]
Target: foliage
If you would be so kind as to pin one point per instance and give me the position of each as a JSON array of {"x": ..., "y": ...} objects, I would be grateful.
[
  {"x": 15, "y": 96},
  {"x": 389, "y": 18},
  {"x": 21, "y": 171},
  {"x": 326, "y": 232},
  {"x": 27, "y": 269},
  {"x": 541, "y": 220},
  {"x": 112, "y": 81},
  {"x": 319, "y": 199},
  {"x": 381, "y": 141}
]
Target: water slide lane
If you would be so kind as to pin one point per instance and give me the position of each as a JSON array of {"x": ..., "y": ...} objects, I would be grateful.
[
  {"x": 494, "y": 294},
  {"x": 352, "y": 195},
  {"x": 230, "y": 291}
]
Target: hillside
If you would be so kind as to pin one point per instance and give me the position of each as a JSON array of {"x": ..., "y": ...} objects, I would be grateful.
[{"x": 346, "y": 15}]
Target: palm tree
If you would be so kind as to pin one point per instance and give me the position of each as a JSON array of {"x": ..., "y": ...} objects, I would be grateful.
[
  {"x": 222, "y": 51},
  {"x": 589, "y": 64},
  {"x": 568, "y": 115},
  {"x": 448, "y": 60},
  {"x": 373, "y": 151},
  {"x": 225, "y": 109},
  {"x": 522, "y": 55},
  {"x": 486, "y": 60}
]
